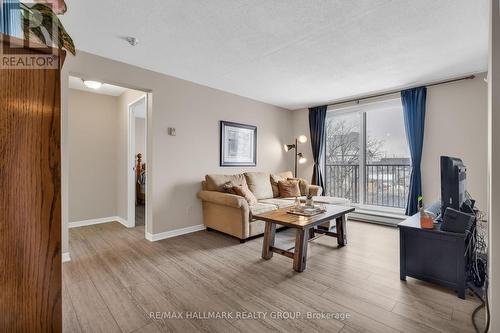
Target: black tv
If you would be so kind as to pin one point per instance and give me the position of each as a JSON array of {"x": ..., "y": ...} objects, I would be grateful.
[{"x": 453, "y": 183}]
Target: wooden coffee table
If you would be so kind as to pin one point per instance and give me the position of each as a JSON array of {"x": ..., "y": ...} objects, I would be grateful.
[{"x": 305, "y": 231}]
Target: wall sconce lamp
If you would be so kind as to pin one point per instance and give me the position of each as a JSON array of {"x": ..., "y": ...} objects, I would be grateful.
[{"x": 299, "y": 157}]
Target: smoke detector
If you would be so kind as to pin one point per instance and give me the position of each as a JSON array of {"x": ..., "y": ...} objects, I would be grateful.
[{"x": 132, "y": 40}]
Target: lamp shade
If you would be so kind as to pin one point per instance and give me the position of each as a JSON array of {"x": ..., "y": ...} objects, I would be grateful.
[
  {"x": 302, "y": 139},
  {"x": 302, "y": 159},
  {"x": 288, "y": 147}
]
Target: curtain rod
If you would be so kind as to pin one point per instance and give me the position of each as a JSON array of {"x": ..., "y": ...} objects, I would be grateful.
[{"x": 432, "y": 84}]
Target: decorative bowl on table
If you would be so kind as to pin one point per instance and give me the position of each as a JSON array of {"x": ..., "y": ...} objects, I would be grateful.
[{"x": 305, "y": 210}]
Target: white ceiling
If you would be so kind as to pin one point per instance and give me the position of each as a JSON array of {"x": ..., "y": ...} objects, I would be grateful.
[
  {"x": 106, "y": 89},
  {"x": 291, "y": 53}
]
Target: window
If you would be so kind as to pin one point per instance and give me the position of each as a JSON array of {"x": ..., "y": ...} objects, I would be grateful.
[
  {"x": 343, "y": 143},
  {"x": 366, "y": 157}
]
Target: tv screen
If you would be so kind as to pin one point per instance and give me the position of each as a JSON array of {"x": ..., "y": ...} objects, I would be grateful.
[{"x": 453, "y": 183}]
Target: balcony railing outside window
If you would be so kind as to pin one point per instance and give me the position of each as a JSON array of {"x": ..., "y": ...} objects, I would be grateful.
[
  {"x": 342, "y": 181},
  {"x": 385, "y": 184}
]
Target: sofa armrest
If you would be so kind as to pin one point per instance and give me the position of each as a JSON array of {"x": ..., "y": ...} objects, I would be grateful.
[
  {"x": 225, "y": 199},
  {"x": 315, "y": 190}
]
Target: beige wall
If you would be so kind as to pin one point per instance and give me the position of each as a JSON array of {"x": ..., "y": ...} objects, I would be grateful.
[
  {"x": 494, "y": 165},
  {"x": 456, "y": 125},
  {"x": 92, "y": 149},
  {"x": 177, "y": 164}
]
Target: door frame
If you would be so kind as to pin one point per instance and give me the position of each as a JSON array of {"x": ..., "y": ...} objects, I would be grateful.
[{"x": 131, "y": 187}]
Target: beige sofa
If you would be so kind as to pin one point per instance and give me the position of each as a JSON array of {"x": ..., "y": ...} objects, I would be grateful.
[{"x": 231, "y": 214}]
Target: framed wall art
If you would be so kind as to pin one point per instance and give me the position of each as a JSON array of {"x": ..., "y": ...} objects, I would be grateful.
[{"x": 238, "y": 144}]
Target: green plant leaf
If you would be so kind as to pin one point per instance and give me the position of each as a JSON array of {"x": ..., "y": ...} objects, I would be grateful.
[{"x": 41, "y": 16}]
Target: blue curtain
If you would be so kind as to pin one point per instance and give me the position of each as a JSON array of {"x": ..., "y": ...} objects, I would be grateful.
[
  {"x": 317, "y": 117},
  {"x": 414, "y": 116},
  {"x": 10, "y": 18}
]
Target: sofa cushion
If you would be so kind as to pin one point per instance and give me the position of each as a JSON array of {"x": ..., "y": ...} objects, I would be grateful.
[
  {"x": 260, "y": 208},
  {"x": 276, "y": 178},
  {"x": 244, "y": 191},
  {"x": 289, "y": 188},
  {"x": 260, "y": 184},
  {"x": 303, "y": 185},
  {"x": 280, "y": 203},
  {"x": 222, "y": 183}
]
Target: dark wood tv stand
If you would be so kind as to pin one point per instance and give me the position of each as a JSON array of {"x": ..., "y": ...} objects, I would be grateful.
[{"x": 432, "y": 255}]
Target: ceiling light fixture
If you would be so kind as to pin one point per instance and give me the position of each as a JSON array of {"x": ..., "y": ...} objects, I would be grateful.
[{"x": 92, "y": 84}]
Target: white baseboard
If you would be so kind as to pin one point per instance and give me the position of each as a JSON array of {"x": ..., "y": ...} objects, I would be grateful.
[
  {"x": 122, "y": 221},
  {"x": 371, "y": 217},
  {"x": 66, "y": 257},
  {"x": 174, "y": 233},
  {"x": 98, "y": 221}
]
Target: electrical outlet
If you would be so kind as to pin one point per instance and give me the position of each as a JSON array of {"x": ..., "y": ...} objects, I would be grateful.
[{"x": 171, "y": 131}]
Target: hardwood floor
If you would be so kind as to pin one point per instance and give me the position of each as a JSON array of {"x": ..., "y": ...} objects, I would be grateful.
[{"x": 117, "y": 278}]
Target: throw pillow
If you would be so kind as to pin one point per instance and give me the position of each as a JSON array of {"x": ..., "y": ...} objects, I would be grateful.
[
  {"x": 228, "y": 187},
  {"x": 289, "y": 188},
  {"x": 244, "y": 191},
  {"x": 276, "y": 178},
  {"x": 303, "y": 185}
]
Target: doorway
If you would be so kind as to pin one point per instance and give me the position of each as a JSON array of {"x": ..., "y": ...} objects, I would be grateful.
[
  {"x": 137, "y": 157},
  {"x": 101, "y": 153}
]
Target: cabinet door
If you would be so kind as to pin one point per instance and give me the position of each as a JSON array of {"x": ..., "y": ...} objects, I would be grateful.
[{"x": 30, "y": 202}]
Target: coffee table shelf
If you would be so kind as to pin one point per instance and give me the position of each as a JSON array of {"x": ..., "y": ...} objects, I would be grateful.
[{"x": 305, "y": 231}]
